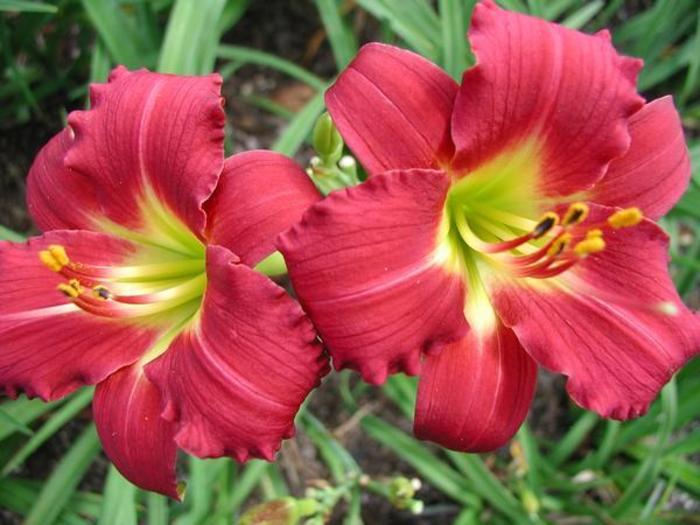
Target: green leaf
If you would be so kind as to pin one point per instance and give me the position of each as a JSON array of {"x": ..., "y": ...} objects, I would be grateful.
[
  {"x": 121, "y": 37},
  {"x": 119, "y": 506},
  {"x": 190, "y": 43},
  {"x": 158, "y": 512},
  {"x": 412, "y": 20},
  {"x": 453, "y": 17},
  {"x": 253, "y": 56},
  {"x": 300, "y": 127},
  {"x": 57, "y": 420},
  {"x": 573, "y": 438},
  {"x": 7, "y": 234},
  {"x": 59, "y": 488},
  {"x": 27, "y": 6},
  {"x": 11, "y": 423},
  {"x": 584, "y": 15},
  {"x": 439, "y": 474},
  {"x": 23, "y": 411},
  {"x": 343, "y": 41}
]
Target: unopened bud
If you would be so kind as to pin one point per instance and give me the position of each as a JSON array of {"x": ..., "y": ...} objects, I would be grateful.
[
  {"x": 284, "y": 511},
  {"x": 326, "y": 140}
]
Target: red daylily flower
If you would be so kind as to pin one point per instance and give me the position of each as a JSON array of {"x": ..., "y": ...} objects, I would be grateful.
[
  {"x": 152, "y": 238},
  {"x": 501, "y": 227}
]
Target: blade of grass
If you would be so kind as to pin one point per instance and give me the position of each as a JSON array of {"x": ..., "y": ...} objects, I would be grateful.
[
  {"x": 26, "y": 6},
  {"x": 338, "y": 460},
  {"x": 573, "y": 438},
  {"x": 119, "y": 505},
  {"x": 57, "y": 420},
  {"x": 648, "y": 471},
  {"x": 120, "y": 36},
  {"x": 157, "y": 509},
  {"x": 488, "y": 487},
  {"x": 300, "y": 127},
  {"x": 24, "y": 411},
  {"x": 59, "y": 488},
  {"x": 261, "y": 58},
  {"x": 580, "y": 18},
  {"x": 436, "y": 472},
  {"x": 453, "y": 17},
  {"x": 189, "y": 46},
  {"x": 692, "y": 78},
  {"x": 343, "y": 41},
  {"x": 6, "y": 420},
  {"x": 245, "y": 484}
]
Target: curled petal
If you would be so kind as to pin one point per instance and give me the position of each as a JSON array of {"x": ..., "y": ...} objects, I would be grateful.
[
  {"x": 613, "y": 324},
  {"x": 655, "y": 171},
  {"x": 233, "y": 382},
  {"x": 393, "y": 108},
  {"x": 59, "y": 198},
  {"x": 474, "y": 394},
  {"x": 136, "y": 439},
  {"x": 48, "y": 346},
  {"x": 363, "y": 263},
  {"x": 534, "y": 80},
  {"x": 260, "y": 194},
  {"x": 148, "y": 132}
]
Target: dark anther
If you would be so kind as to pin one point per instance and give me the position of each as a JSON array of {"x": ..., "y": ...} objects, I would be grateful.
[{"x": 543, "y": 227}]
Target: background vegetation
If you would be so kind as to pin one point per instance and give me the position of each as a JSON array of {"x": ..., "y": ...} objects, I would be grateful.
[{"x": 565, "y": 466}]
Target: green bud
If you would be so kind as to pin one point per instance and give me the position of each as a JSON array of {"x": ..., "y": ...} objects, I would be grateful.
[
  {"x": 327, "y": 141},
  {"x": 284, "y": 511}
]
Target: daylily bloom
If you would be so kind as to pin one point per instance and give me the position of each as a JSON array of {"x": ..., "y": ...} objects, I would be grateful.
[
  {"x": 144, "y": 282},
  {"x": 506, "y": 222}
]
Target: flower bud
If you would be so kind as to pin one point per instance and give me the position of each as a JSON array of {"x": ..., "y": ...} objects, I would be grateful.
[
  {"x": 326, "y": 140},
  {"x": 284, "y": 511}
]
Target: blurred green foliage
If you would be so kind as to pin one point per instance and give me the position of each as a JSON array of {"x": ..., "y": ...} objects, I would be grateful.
[{"x": 599, "y": 471}]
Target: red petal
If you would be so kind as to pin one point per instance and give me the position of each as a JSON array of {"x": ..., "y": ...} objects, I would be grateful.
[
  {"x": 655, "y": 171},
  {"x": 147, "y": 129},
  {"x": 59, "y": 198},
  {"x": 234, "y": 382},
  {"x": 260, "y": 194},
  {"x": 538, "y": 80},
  {"x": 136, "y": 439},
  {"x": 362, "y": 263},
  {"x": 602, "y": 323},
  {"x": 49, "y": 347},
  {"x": 393, "y": 108},
  {"x": 474, "y": 394}
]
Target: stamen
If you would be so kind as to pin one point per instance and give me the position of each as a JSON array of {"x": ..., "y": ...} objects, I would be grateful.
[
  {"x": 595, "y": 232},
  {"x": 59, "y": 253},
  {"x": 559, "y": 244},
  {"x": 100, "y": 292},
  {"x": 576, "y": 214},
  {"x": 46, "y": 257},
  {"x": 588, "y": 246},
  {"x": 625, "y": 218},
  {"x": 68, "y": 290},
  {"x": 548, "y": 221}
]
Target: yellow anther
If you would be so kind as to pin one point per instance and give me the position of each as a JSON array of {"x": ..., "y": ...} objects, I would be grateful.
[
  {"x": 75, "y": 283},
  {"x": 559, "y": 244},
  {"x": 59, "y": 253},
  {"x": 548, "y": 221},
  {"x": 588, "y": 246},
  {"x": 46, "y": 257},
  {"x": 576, "y": 214},
  {"x": 68, "y": 290},
  {"x": 625, "y": 218},
  {"x": 595, "y": 232},
  {"x": 101, "y": 292}
]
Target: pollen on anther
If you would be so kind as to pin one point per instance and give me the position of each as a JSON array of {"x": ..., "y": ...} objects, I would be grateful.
[
  {"x": 68, "y": 290},
  {"x": 626, "y": 218},
  {"x": 576, "y": 214},
  {"x": 59, "y": 253},
  {"x": 559, "y": 244},
  {"x": 101, "y": 292},
  {"x": 50, "y": 261},
  {"x": 548, "y": 221},
  {"x": 588, "y": 246}
]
